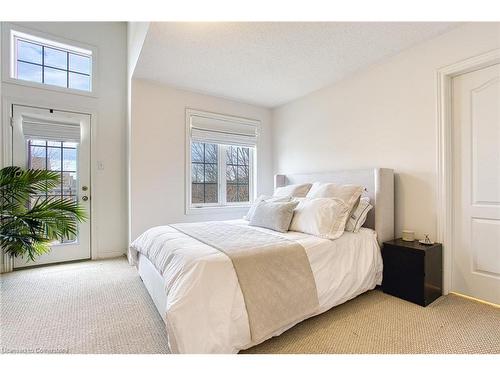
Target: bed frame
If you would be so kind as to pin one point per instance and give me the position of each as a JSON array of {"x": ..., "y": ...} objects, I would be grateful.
[{"x": 379, "y": 184}]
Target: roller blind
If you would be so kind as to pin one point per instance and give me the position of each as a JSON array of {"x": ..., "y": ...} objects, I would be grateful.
[
  {"x": 229, "y": 131},
  {"x": 35, "y": 128}
]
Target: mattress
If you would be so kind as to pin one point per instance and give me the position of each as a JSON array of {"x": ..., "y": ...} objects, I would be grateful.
[{"x": 203, "y": 308}]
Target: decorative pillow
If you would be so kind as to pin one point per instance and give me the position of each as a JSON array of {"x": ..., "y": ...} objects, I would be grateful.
[
  {"x": 265, "y": 198},
  {"x": 273, "y": 215},
  {"x": 298, "y": 190},
  {"x": 348, "y": 193},
  {"x": 322, "y": 217},
  {"x": 358, "y": 215}
]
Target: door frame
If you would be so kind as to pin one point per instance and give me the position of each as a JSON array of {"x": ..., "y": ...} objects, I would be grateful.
[
  {"x": 7, "y": 110},
  {"x": 444, "y": 197}
]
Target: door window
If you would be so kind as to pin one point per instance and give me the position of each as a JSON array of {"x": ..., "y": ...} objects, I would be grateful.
[{"x": 56, "y": 156}]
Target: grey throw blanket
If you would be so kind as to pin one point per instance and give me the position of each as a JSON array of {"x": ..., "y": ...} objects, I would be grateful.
[{"x": 274, "y": 274}]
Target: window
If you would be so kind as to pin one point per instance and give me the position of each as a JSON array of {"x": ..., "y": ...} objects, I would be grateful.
[
  {"x": 237, "y": 173},
  {"x": 220, "y": 170},
  {"x": 48, "y": 62},
  {"x": 204, "y": 173},
  {"x": 60, "y": 157}
]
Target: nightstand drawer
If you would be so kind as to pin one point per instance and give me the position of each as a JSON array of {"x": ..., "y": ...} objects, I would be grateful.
[
  {"x": 403, "y": 262},
  {"x": 403, "y": 274},
  {"x": 410, "y": 270}
]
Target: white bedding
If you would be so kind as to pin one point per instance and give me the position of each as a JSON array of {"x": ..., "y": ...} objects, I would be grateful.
[{"x": 205, "y": 311}]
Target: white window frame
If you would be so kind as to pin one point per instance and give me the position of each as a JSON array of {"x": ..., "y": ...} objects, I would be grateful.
[
  {"x": 222, "y": 204},
  {"x": 12, "y": 32}
]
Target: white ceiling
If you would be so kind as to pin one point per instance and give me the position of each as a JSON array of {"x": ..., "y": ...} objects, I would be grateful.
[{"x": 270, "y": 63}]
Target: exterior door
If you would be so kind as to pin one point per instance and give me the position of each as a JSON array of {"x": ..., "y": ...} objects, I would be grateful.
[
  {"x": 58, "y": 141},
  {"x": 476, "y": 195}
]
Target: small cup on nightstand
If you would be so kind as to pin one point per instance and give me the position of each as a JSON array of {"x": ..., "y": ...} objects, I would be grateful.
[{"x": 408, "y": 235}]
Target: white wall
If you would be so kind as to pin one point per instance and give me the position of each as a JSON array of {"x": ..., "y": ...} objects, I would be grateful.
[
  {"x": 136, "y": 34},
  {"x": 108, "y": 126},
  {"x": 384, "y": 116},
  {"x": 2, "y": 256},
  {"x": 158, "y": 152}
]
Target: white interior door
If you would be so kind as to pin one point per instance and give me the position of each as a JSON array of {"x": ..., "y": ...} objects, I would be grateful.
[
  {"x": 58, "y": 141},
  {"x": 476, "y": 195}
]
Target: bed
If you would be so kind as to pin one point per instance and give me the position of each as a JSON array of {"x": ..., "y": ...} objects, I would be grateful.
[{"x": 197, "y": 292}]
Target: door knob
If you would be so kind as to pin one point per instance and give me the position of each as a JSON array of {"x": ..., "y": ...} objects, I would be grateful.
[{"x": 85, "y": 198}]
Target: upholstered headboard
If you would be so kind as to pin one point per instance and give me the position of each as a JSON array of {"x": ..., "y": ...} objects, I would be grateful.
[{"x": 379, "y": 184}]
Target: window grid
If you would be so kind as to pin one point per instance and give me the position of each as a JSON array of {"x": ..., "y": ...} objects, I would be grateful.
[
  {"x": 43, "y": 65},
  {"x": 222, "y": 179},
  {"x": 205, "y": 163},
  {"x": 237, "y": 164},
  {"x": 63, "y": 193}
]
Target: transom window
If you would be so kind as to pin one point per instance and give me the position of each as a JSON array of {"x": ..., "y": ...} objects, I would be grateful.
[
  {"x": 221, "y": 160},
  {"x": 46, "y": 62}
]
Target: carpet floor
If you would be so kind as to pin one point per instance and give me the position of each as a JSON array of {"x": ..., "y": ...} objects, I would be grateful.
[{"x": 103, "y": 307}]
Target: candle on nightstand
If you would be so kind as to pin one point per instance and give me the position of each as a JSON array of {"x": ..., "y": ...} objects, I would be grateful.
[{"x": 408, "y": 235}]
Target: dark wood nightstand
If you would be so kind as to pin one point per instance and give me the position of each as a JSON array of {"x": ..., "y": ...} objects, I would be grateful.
[{"x": 413, "y": 271}]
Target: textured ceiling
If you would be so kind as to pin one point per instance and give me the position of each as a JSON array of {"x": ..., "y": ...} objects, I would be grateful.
[{"x": 270, "y": 63}]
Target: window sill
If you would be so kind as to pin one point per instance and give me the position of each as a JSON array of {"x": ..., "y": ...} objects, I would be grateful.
[
  {"x": 42, "y": 86},
  {"x": 217, "y": 209}
]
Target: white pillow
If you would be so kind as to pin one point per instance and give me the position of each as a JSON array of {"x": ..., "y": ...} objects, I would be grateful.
[
  {"x": 297, "y": 190},
  {"x": 322, "y": 217},
  {"x": 348, "y": 193},
  {"x": 358, "y": 215},
  {"x": 273, "y": 215},
  {"x": 264, "y": 198}
]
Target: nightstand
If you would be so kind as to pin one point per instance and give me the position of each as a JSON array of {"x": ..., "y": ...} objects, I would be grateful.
[{"x": 413, "y": 271}]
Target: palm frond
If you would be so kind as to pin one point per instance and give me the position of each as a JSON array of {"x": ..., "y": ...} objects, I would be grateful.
[
  {"x": 29, "y": 231},
  {"x": 17, "y": 184}
]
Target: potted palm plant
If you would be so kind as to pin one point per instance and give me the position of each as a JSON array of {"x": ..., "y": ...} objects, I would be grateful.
[{"x": 28, "y": 229}]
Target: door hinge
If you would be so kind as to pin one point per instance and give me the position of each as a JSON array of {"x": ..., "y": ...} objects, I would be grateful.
[{"x": 12, "y": 122}]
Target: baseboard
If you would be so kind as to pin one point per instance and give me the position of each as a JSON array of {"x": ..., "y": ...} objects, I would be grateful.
[
  {"x": 476, "y": 299},
  {"x": 111, "y": 254}
]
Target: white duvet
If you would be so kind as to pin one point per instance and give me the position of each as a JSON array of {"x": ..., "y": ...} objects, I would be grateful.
[{"x": 205, "y": 309}]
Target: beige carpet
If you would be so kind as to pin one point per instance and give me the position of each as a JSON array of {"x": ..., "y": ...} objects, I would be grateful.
[{"x": 103, "y": 307}]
